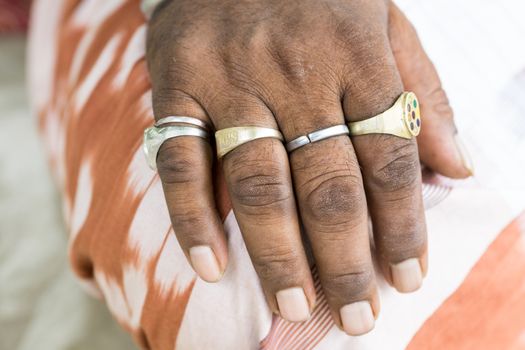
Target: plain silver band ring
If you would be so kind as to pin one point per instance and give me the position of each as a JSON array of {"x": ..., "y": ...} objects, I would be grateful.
[
  {"x": 318, "y": 135},
  {"x": 181, "y": 119}
]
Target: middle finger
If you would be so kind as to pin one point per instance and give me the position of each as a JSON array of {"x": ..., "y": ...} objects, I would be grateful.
[{"x": 260, "y": 186}]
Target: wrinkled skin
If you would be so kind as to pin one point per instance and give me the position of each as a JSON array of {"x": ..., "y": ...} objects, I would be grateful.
[{"x": 300, "y": 66}]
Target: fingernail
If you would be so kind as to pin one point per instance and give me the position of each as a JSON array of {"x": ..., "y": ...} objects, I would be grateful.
[
  {"x": 407, "y": 276},
  {"x": 464, "y": 155},
  {"x": 357, "y": 318},
  {"x": 205, "y": 263},
  {"x": 293, "y": 304}
]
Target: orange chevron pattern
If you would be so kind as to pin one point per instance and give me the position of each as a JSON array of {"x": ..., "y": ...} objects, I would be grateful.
[{"x": 121, "y": 242}]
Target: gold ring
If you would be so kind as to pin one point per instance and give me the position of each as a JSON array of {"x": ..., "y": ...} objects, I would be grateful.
[
  {"x": 229, "y": 139},
  {"x": 403, "y": 119}
]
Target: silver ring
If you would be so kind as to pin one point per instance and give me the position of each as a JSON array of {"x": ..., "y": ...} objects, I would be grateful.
[
  {"x": 181, "y": 119},
  {"x": 318, "y": 135},
  {"x": 154, "y": 137}
]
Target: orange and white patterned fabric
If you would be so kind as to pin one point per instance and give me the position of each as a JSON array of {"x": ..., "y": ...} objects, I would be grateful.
[{"x": 91, "y": 92}]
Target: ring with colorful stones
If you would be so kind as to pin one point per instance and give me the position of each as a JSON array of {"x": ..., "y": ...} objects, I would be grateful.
[{"x": 403, "y": 119}]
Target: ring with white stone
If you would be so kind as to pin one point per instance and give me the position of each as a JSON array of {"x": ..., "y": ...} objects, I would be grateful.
[
  {"x": 318, "y": 135},
  {"x": 181, "y": 119},
  {"x": 156, "y": 135}
]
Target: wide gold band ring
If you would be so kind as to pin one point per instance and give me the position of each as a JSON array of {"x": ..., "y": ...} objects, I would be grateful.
[
  {"x": 403, "y": 119},
  {"x": 229, "y": 139}
]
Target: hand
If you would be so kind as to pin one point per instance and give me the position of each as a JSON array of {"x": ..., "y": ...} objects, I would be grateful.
[{"x": 300, "y": 66}]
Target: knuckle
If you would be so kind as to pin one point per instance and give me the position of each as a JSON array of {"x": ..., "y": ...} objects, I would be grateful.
[
  {"x": 274, "y": 264},
  {"x": 408, "y": 242},
  {"x": 259, "y": 186},
  {"x": 398, "y": 169},
  {"x": 438, "y": 99},
  {"x": 187, "y": 220},
  {"x": 335, "y": 200},
  {"x": 174, "y": 167},
  {"x": 355, "y": 284}
]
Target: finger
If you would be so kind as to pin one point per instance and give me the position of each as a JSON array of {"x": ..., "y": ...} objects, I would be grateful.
[
  {"x": 440, "y": 146},
  {"x": 391, "y": 173},
  {"x": 185, "y": 168},
  {"x": 332, "y": 203},
  {"x": 259, "y": 182},
  {"x": 333, "y": 210}
]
